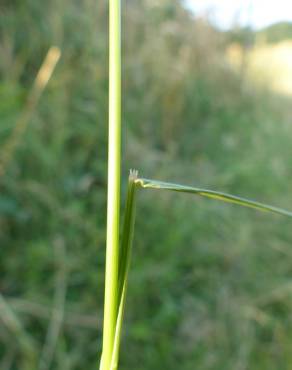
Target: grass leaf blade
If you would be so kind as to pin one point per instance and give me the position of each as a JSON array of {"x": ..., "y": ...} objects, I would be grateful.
[{"x": 154, "y": 184}]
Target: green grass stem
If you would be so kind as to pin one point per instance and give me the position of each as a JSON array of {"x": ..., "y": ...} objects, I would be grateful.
[{"x": 113, "y": 197}]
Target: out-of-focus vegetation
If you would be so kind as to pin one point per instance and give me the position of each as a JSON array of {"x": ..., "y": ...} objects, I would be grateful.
[
  {"x": 276, "y": 32},
  {"x": 210, "y": 284},
  {"x": 265, "y": 64}
]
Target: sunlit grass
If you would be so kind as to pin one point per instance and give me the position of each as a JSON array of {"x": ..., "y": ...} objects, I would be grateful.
[
  {"x": 118, "y": 255},
  {"x": 128, "y": 233},
  {"x": 276, "y": 73}
]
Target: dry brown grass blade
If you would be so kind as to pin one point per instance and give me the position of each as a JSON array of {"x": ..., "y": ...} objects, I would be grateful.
[{"x": 43, "y": 76}]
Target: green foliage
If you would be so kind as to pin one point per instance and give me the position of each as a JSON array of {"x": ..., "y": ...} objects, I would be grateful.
[
  {"x": 211, "y": 194},
  {"x": 276, "y": 32},
  {"x": 213, "y": 290}
]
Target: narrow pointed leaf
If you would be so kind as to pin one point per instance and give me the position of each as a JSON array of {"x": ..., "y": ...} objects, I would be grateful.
[{"x": 154, "y": 184}]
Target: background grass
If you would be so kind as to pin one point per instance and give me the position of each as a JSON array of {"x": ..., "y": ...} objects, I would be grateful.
[{"x": 210, "y": 284}]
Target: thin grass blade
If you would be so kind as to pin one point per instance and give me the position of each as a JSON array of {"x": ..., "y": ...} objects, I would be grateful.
[
  {"x": 224, "y": 197},
  {"x": 43, "y": 77}
]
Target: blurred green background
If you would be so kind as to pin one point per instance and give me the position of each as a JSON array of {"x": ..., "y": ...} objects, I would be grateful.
[{"x": 210, "y": 284}]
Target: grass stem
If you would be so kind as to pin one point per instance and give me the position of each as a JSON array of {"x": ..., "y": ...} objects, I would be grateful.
[{"x": 113, "y": 197}]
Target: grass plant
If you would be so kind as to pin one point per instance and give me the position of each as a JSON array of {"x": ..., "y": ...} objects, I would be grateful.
[
  {"x": 118, "y": 255},
  {"x": 128, "y": 232},
  {"x": 210, "y": 284}
]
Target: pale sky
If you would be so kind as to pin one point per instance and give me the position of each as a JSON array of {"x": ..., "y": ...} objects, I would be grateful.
[{"x": 256, "y": 13}]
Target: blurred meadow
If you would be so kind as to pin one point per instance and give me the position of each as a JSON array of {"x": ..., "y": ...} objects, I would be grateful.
[{"x": 210, "y": 284}]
